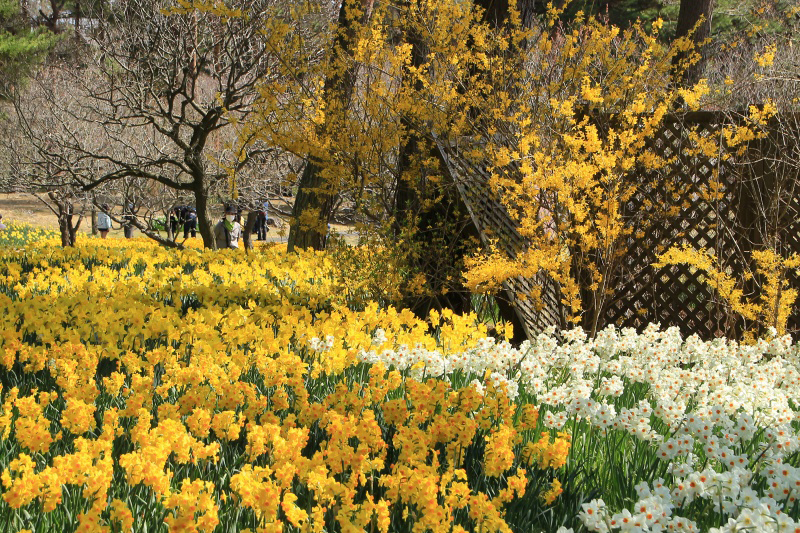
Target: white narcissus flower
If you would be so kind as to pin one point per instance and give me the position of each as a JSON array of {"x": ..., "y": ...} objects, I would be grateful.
[{"x": 593, "y": 515}]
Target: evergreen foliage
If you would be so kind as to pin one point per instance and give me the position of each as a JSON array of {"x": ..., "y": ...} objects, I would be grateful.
[{"x": 21, "y": 47}]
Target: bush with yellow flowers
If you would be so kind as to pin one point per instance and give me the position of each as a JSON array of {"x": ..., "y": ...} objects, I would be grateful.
[{"x": 146, "y": 389}]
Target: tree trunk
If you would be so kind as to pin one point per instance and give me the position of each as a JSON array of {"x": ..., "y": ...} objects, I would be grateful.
[
  {"x": 495, "y": 11},
  {"x": 94, "y": 221},
  {"x": 73, "y": 230},
  {"x": 67, "y": 230},
  {"x": 692, "y": 12},
  {"x": 51, "y": 21},
  {"x": 168, "y": 226},
  {"x": 63, "y": 228},
  {"x": 205, "y": 222},
  {"x": 63, "y": 210},
  {"x": 311, "y": 211},
  {"x": 313, "y": 204},
  {"x": 408, "y": 187},
  {"x": 443, "y": 231},
  {"x": 248, "y": 229},
  {"x": 25, "y": 11},
  {"x": 78, "y": 15},
  {"x": 527, "y": 12}
]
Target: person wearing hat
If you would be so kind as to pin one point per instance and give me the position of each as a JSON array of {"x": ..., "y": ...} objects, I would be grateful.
[
  {"x": 103, "y": 221},
  {"x": 227, "y": 232}
]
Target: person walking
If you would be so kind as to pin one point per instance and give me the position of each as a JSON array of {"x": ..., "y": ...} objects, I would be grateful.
[
  {"x": 173, "y": 221},
  {"x": 103, "y": 221},
  {"x": 130, "y": 216},
  {"x": 227, "y": 231},
  {"x": 261, "y": 223},
  {"x": 190, "y": 223},
  {"x": 2, "y": 226}
]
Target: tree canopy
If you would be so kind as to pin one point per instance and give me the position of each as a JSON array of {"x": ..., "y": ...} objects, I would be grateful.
[{"x": 21, "y": 47}]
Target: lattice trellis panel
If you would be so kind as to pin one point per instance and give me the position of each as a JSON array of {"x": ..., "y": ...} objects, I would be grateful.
[
  {"x": 672, "y": 296},
  {"x": 675, "y": 295},
  {"x": 495, "y": 225},
  {"x": 722, "y": 223},
  {"x": 791, "y": 244}
]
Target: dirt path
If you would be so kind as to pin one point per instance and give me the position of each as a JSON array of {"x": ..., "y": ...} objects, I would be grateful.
[{"x": 27, "y": 209}]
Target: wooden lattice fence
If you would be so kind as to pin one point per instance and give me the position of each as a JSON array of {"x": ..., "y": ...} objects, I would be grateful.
[
  {"x": 727, "y": 223},
  {"x": 754, "y": 185},
  {"x": 676, "y": 295},
  {"x": 496, "y": 226}
]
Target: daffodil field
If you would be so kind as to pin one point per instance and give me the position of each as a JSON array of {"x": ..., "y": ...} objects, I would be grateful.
[{"x": 147, "y": 390}]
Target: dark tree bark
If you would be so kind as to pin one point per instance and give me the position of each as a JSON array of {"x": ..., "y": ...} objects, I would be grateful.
[
  {"x": 78, "y": 15},
  {"x": 65, "y": 213},
  {"x": 205, "y": 222},
  {"x": 443, "y": 232},
  {"x": 408, "y": 185},
  {"x": 495, "y": 11},
  {"x": 311, "y": 197},
  {"x": 249, "y": 224},
  {"x": 25, "y": 10},
  {"x": 691, "y": 13},
  {"x": 313, "y": 193},
  {"x": 51, "y": 20},
  {"x": 435, "y": 248}
]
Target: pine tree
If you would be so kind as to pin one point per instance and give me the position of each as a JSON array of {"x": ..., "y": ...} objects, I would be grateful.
[{"x": 21, "y": 47}]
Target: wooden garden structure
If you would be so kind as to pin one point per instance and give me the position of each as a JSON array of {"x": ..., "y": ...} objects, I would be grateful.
[{"x": 758, "y": 205}]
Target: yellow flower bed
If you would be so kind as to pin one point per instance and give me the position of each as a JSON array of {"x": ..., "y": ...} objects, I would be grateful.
[{"x": 153, "y": 388}]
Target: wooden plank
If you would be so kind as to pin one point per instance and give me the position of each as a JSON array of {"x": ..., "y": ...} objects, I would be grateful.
[{"x": 494, "y": 223}]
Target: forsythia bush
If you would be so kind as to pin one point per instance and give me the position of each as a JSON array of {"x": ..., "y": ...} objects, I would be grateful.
[{"x": 147, "y": 389}]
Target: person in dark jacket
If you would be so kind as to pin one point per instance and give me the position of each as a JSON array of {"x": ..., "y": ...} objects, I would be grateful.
[
  {"x": 261, "y": 223},
  {"x": 227, "y": 231},
  {"x": 190, "y": 223},
  {"x": 128, "y": 218}
]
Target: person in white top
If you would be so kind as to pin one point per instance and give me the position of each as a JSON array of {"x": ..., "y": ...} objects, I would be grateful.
[
  {"x": 2, "y": 226},
  {"x": 103, "y": 221}
]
